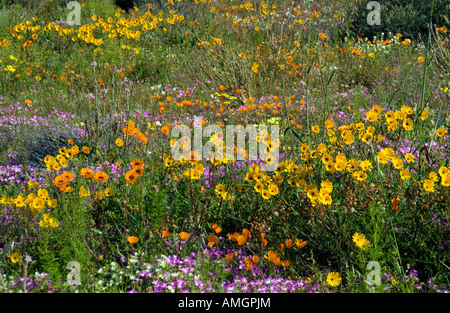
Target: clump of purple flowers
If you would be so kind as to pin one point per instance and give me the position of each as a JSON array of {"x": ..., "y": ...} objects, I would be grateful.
[{"x": 39, "y": 282}]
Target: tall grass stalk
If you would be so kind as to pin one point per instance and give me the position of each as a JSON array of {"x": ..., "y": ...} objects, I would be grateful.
[
  {"x": 393, "y": 237},
  {"x": 425, "y": 68}
]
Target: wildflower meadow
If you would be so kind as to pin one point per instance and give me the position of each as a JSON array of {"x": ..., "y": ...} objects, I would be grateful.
[{"x": 220, "y": 146}]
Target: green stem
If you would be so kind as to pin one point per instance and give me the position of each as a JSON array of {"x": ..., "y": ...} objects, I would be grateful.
[
  {"x": 425, "y": 68},
  {"x": 394, "y": 239},
  {"x": 307, "y": 106}
]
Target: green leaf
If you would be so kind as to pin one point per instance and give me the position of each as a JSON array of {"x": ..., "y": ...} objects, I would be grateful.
[
  {"x": 331, "y": 77},
  {"x": 294, "y": 132},
  {"x": 420, "y": 143},
  {"x": 123, "y": 160}
]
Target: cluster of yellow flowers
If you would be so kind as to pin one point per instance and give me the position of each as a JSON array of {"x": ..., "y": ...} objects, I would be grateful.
[
  {"x": 226, "y": 195},
  {"x": 264, "y": 184},
  {"x": 192, "y": 157},
  {"x": 361, "y": 241},
  {"x": 367, "y": 135},
  {"x": 193, "y": 173},
  {"x": 393, "y": 118},
  {"x": 114, "y": 27},
  {"x": 429, "y": 183},
  {"x": 388, "y": 154},
  {"x": 323, "y": 195},
  {"x": 48, "y": 221},
  {"x": 298, "y": 175},
  {"x": 35, "y": 201},
  {"x": 65, "y": 154},
  {"x": 444, "y": 172},
  {"x": 99, "y": 194}
]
